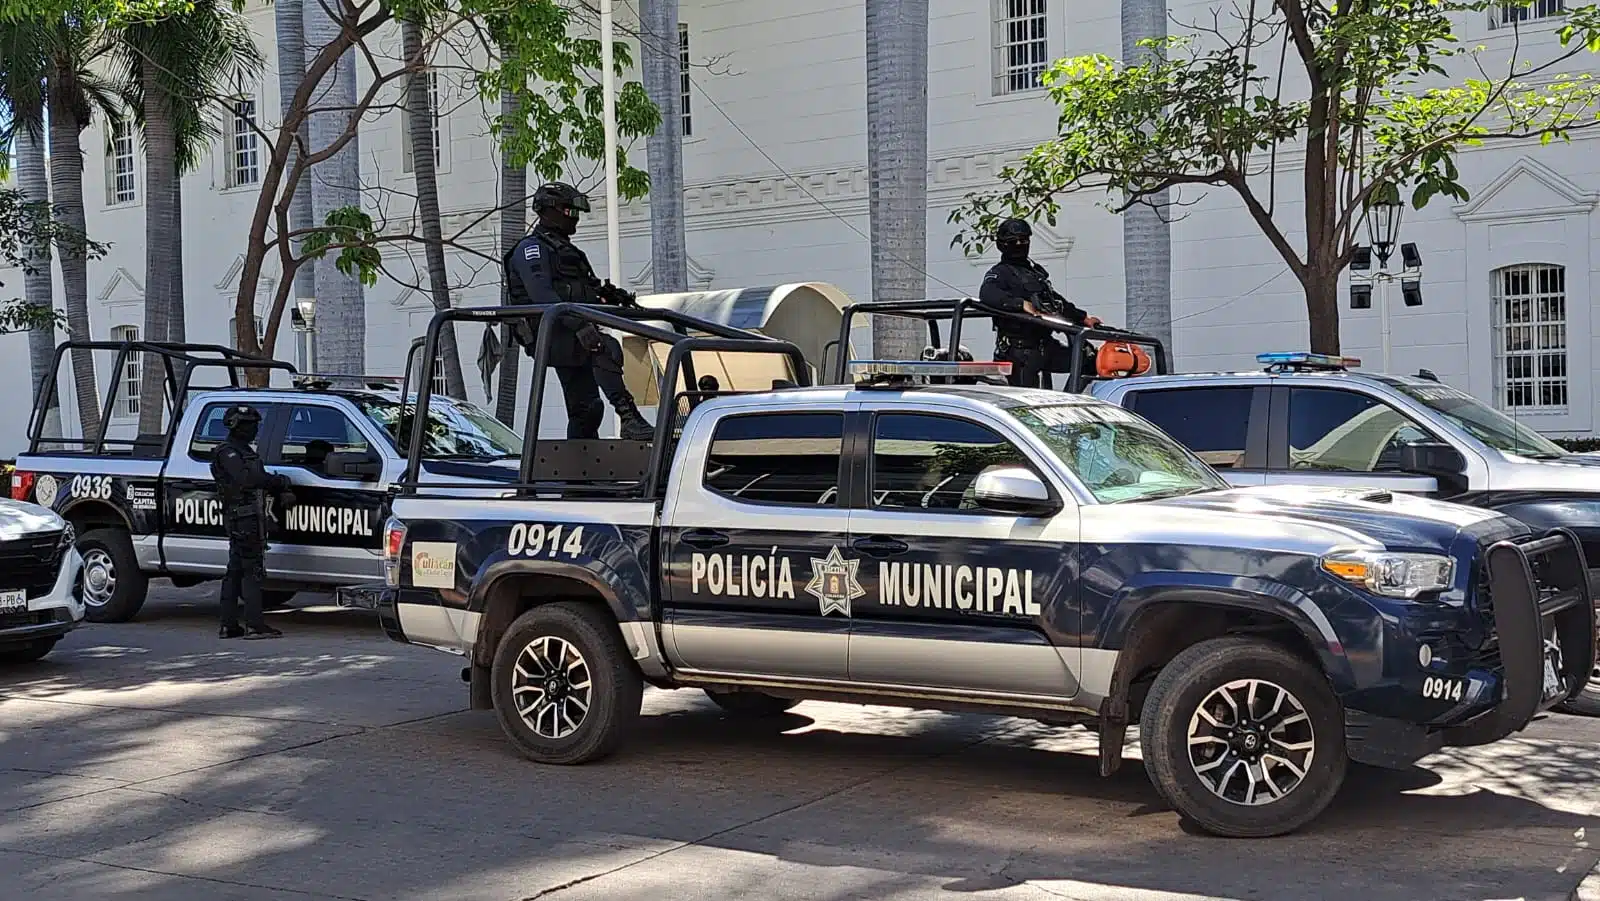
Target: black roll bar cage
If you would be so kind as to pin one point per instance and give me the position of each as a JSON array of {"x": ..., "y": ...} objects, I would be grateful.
[
  {"x": 629, "y": 320},
  {"x": 178, "y": 384},
  {"x": 958, "y": 310}
]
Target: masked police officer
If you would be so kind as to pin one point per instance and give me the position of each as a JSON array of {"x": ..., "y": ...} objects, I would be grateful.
[
  {"x": 547, "y": 268},
  {"x": 243, "y": 484},
  {"x": 1019, "y": 285}
]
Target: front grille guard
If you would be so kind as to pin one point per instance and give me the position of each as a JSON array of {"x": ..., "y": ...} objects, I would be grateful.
[{"x": 1529, "y": 581}]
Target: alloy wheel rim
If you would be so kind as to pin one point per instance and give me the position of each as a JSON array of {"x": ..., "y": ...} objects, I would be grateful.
[
  {"x": 551, "y": 687},
  {"x": 99, "y": 578},
  {"x": 1251, "y": 742}
]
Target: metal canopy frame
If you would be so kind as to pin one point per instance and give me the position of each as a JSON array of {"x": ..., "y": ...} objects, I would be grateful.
[
  {"x": 958, "y": 310},
  {"x": 179, "y": 363},
  {"x": 628, "y": 320}
]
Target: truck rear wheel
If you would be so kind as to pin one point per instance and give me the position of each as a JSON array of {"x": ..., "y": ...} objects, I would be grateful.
[
  {"x": 1244, "y": 738},
  {"x": 752, "y": 704},
  {"x": 565, "y": 688},
  {"x": 114, "y": 589}
]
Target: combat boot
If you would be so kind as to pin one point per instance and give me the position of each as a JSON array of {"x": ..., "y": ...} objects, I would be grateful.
[{"x": 634, "y": 426}]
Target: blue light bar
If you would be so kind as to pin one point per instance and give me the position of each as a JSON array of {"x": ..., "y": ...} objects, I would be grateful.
[
  {"x": 1308, "y": 360},
  {"x": 866, "y": 369}
]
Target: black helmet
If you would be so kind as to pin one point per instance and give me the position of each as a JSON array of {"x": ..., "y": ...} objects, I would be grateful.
[
  {"x": 1012, "y": 237},
  {"x": 240, "y": 416},
  {"x": 557, "y": 195}
]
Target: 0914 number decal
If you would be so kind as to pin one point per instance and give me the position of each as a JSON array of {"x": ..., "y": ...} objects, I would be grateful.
[
  {"x": 1436, "y": 688},
  {"x": 540, "y": 540}
]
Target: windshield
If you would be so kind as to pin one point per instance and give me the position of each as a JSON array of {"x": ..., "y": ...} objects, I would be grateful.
[
  {"x": 1483, "y": 422},
  {"x": 1117, "y": 455},
  {"x": 456, "y": 430}
]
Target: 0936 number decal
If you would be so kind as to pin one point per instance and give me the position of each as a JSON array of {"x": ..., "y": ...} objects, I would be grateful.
[
  {"x": 96, "y": 488},
  {"x": 1437, "y": 688},
  {"x": 540, "y": 540}
]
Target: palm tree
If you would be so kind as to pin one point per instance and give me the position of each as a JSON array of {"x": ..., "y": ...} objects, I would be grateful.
[
  {"x": 336, "y": 184},
  {"x": 1146, "y": 230},
  {"x": 420, "y": 112},
  {"x": 179, "y": 63},
  {"x": 290, "y": 24},
  {"x": 897, "y": 165},
  {"x": 669, "y": 261},
  {"x": 513, "y": 225}
]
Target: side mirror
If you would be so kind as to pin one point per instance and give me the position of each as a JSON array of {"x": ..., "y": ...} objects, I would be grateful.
[
  {"x": 1013, "y": 489},
  {"x": 357, "y": 466},
  {"x": 1432, "y": 458}
]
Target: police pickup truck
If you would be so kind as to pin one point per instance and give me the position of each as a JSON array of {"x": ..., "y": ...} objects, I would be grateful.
[
  {"x": 991, "y": 549},
  {"x": 147, "y": 507}
]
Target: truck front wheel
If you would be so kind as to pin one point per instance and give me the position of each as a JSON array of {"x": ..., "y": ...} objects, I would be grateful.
[
  {"x": 114, "y": 588},
  {"x": 1244, "y": 738},
  {"x": 565, "y": 688}
]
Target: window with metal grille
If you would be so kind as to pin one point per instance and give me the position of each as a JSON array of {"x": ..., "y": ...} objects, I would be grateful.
[
  {"x": 1507, "y": 15},
  {"x": 1021, "y": 45},
  {"x": 684, "y": 81},
  {"x": 233, "y": 332},
  {"x": 1530, "y": 322},
  {"x": 120, "y": 175},
  {"x": 129, "y": 402},
  {"x": 246, "y": 167},
  {"x": 438, "y": 384},
  {"x": 408, "y": 162}
]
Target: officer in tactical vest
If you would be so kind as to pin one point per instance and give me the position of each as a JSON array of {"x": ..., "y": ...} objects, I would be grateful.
[
  {"x": 547, "y": 268},
  {"x": 1019, "y": 285},
  {"x": 243, "y": 485}
]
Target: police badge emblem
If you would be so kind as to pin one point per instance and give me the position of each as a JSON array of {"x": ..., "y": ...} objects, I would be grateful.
[{"x": 833, "y": 583}]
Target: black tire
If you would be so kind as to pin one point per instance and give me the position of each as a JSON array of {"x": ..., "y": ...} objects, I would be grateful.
[
  {"x": 1191, "y": 679},
  {"x": 112, "y": 547},
  {"x": 751, "y": 704},
  {"x": 27, "y": 653},
  {"x": 615, "y": 689},
  {"x": 276, "y": 600}
]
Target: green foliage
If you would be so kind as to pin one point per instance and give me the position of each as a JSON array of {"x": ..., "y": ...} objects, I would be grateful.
[
  {"x": 117, "y": 12},
  {"x": 352, "y": 232},
  {"x": 28, "y": 227},
  {"x": 1379, "y": 108},
  {"x": 1582, "y": 445}
]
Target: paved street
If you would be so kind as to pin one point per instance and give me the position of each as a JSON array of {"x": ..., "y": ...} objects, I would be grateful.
[{"x": 151, "y": 761}]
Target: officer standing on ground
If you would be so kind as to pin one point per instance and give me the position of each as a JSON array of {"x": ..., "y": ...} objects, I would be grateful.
[
  {"x": 547, "y": 268},
  {"x": 1019, "y": 285},
  {"x": 243, "y": 484}
]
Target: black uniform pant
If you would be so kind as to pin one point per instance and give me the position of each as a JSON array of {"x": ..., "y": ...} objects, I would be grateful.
[
  {"x": 597, "y": 372},
  {"x": 247, "y": 570},
  {"x": 1032, "y": 362}
]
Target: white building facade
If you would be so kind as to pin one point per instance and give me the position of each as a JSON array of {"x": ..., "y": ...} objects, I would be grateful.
[{"x": 777, "y": 192}]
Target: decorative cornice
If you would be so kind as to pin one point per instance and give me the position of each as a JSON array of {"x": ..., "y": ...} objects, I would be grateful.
[
  {"x": 116, "y": 281},
  {"x": 700, "y": 277}
]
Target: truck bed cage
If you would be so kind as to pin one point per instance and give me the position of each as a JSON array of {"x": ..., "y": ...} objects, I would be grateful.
[
  {"x": 637, "y": 321},
  {"x": 958, "y": 310},
  {"x": 179, "y": 363}
]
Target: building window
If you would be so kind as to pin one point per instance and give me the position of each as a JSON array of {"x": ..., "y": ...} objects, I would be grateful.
[
  {"x": 408, "y": 162},
  {"x": 1508, "y": 15},
  {"x": 684, "y": 81},
  {"x": 245, "y": 162},
  {"x": 438, "y": 385},
  {"x": 120, "y": 160},
  {"x": 233, "y": 333},
  {"x": 1021, "y": 45},
  {"x": 128, "y": 404},
  {"x": 1530, "y": 322}
]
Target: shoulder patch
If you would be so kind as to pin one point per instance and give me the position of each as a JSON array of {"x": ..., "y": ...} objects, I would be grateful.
[{"x": 531, "y": 252}]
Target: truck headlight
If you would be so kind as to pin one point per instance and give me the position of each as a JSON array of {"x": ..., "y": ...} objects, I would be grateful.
[{"x": 1391, "y": 574}]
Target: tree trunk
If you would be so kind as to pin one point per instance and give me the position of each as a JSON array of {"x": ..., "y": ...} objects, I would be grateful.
[
  {"x": 513, "y": 225},
  {"x": 669, "y": 260},
  {"x": 897, "y": 166},
  {"x": 289, "y": 18},
  {"x": 38, "y": 285},
  {"x": 336, "y": 184},
  {"x": 66, "y": 178},
  {"x": 1322, "y": 310},
  {"x": 161, "y": 241},
  {"x": 419, "y": 109},
  {"x": 177, "y": 312},
  {"x": 1146, "y": 231}
]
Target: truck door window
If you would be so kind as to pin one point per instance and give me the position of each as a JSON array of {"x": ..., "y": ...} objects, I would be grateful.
[
  {"x": 315, "y": 432},
  {"x": 1212, "y": 422},
  {"x": 786, "y": 458},
  {"x": 926, "y": 463},
  {"x": 209, "y": 432},
  {"x": 1344, "y": 431}
]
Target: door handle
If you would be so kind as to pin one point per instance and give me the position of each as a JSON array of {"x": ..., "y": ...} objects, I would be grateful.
[
  {"x": 704, "y": 538},
  {"x": 880, "y": 546}
]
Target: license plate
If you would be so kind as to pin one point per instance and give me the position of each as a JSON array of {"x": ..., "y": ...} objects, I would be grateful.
[{"x": 13, "y": 601}]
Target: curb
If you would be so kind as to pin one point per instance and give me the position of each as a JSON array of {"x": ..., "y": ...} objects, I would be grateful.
[{"x": 1589, "y": 888}]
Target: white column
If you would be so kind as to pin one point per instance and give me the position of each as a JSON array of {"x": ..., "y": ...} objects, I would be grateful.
[{"x": 608, "y": 84}]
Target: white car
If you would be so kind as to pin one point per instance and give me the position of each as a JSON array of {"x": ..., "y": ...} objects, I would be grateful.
[{"x": 40, "y": 598}]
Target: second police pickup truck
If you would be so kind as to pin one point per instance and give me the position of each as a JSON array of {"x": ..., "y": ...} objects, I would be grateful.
[
  {"x": 147, "y": 507},
  {"x": 989, "y": 549}
]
